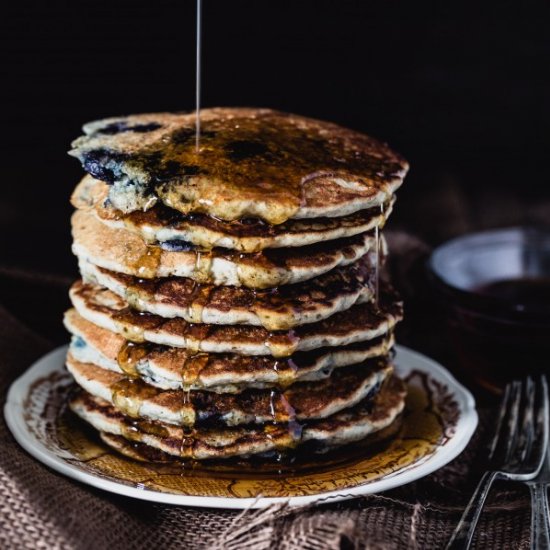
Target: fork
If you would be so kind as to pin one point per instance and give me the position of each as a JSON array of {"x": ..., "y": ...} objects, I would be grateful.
[
  {"x": 540, "y": 520},
  {"x": 516, "y": 452}
]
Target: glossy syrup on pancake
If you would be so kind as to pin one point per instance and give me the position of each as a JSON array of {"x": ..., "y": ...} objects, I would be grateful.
[
  {"x": 147, "y": 264},
  {"x": 258, "y": 158},
  {"x": 129, "y": 355},
  {"x": 282, "y": 412}
]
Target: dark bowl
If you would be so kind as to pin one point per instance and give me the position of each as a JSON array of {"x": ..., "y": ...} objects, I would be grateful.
[{"x": 494, "y": 287}]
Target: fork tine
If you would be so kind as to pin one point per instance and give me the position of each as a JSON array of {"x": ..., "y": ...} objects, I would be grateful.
[
  {"x": 545, "y": 405},
  {"x": 500, "y": 420},
  {"x": 538, "y": 451},
  {"x": 511, "y": 428},
  {"x": 512, "y": 425},
  {"x": 526, "y": 433}
]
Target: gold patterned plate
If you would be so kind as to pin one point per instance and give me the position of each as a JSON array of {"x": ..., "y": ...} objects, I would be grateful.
[{"x": 438, "y": 423}]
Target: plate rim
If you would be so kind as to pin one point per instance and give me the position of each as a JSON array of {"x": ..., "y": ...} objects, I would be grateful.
[{"x": 50, "y": 362}]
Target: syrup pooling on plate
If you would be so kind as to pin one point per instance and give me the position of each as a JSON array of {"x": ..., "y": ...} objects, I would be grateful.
[{"x": 303, "y": 473}]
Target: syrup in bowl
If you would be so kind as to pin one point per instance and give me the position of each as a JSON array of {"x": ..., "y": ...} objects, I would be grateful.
[{"x": 495, "y": 290}]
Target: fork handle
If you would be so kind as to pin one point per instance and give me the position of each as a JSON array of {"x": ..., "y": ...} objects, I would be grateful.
[
  {"x": 464, "y": 531},
  {"x": 540, "y": 521}
]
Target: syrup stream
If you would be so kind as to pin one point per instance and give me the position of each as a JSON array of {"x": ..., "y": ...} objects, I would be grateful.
[
  {"x": 377, "y": 257},
  {"x": 377, "y": 266},
  {"x": 198, "y": 78},
  {"x": 188, "y": 439}
]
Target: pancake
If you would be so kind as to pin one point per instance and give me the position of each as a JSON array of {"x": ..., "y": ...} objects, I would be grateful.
[
  {"x": 125, "y": 252},
  {"x": 350, "y": 425},
  {"x": 161, "y": 224},
  {"x": 301, "y": 401},
  {"x": 175, "y": 368},
  {"x": 357, "y": 324},
  {"x": 291, "y": 461},
  {"x": 251, "y": 163},
  {"x": 274, "y": 309}
]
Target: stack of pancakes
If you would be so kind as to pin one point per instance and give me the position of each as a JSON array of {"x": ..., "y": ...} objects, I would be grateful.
[{"x": 229, "y": 304}]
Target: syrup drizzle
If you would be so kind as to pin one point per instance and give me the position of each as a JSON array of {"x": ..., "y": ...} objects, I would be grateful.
[
  {"x": 202, "y": 272},
  {"x": 285, "y": 373},
  {"x": 198, "y": 78},
  {"x": 129, "y": 355},
  {"x": 128, "y": 394},
  {"x": 148, "y": 263},
  {"x": 377, "y": 249},
  {"x": 187, "y": 439},
  {"x": 127, "y": 326},
  {"x": 282, "y": 412},
  {"x": 193, "y": 365}
]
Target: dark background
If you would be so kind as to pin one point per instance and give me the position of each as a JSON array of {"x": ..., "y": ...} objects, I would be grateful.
[{"x": 461, "y": 89}]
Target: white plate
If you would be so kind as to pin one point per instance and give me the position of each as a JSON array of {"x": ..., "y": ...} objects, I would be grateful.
[{"x": 29, "y": 395}]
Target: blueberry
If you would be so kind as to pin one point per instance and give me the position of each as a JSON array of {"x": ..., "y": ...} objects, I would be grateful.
[
  {"x": 243, "y": 149},
  {"x": 79, "y": 342},
  {"x": 103, "y": 164},
  {"x": 144, "y": 128},
  {"x": 122, "y": 126},
  {"x": 252, "y": 221},
  {"x": 167, "y": 171},
  {"x": 176, "y": 245},
  {"x": 113, "y": 128},
  {"x": 186, "y": 136}
]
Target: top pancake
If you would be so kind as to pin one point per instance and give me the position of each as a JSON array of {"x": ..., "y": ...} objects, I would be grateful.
[{"x": 251, "y": 163}]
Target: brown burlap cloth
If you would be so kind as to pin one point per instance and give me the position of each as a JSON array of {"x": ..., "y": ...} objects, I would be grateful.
[{"x": 42, "y": 509}]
